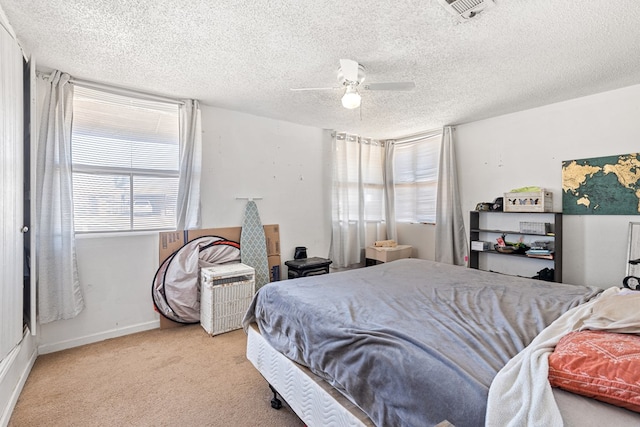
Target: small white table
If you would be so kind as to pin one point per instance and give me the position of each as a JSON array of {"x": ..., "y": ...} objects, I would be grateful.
[{"x": 375, "y": 255}]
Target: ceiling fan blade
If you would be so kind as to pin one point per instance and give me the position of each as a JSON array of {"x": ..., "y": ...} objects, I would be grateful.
[
  {"x": 349, "y": 69},
  {"x": 390, "y": 86},
  {"x": 300, "y": 89}
]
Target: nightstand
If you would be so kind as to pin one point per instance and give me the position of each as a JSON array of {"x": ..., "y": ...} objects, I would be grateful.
[
  {"x": 375, "y": 255},
  {"x": 307, "y": 267}
]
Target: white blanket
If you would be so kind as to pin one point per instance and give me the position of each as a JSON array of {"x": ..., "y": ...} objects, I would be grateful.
[{"x": 520, "y": 394}]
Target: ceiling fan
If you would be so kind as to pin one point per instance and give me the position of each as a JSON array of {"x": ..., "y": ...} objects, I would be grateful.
[{"x": 351, "y": 76}]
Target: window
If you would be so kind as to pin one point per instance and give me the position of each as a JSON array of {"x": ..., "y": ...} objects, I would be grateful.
[
  {"x": 358, "y": 210},
  {"x": 416, "y": 179},
  {"x": 360, "y": 164},
  {"x": 125, "y": 160},
  {"x": 373, "y": 181}
]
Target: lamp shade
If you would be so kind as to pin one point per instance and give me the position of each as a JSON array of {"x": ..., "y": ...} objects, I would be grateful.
[{"x": 351, "y": 98}]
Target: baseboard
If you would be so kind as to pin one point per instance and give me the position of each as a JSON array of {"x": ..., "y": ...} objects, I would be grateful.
[
  {"x": 16, "y": 366},
  {"x": 14, "y": 371},
  {"x": 101, "y": 336}
]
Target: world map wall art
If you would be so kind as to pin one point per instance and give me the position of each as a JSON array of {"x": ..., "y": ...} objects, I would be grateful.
[{"x": 601, "y": 186}]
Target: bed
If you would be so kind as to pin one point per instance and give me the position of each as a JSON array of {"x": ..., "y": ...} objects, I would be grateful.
[{"x": 411, "y": 342}]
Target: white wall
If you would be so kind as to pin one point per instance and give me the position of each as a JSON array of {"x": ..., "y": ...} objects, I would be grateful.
[
  {"x": 243, "y": 156},
  {"x": 527, "y": 148},
  {"x": 285, "y": 164},
  {"x": 420, "y": 236},
  {"x": 115, "y": 274}
]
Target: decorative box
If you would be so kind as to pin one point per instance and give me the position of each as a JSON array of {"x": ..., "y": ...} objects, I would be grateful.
[{"x": 538, "y": 201}]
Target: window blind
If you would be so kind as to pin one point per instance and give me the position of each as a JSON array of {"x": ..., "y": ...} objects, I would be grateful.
[
  {"x": 416, "y": 179},
  {"x": 125, "y": 155}
]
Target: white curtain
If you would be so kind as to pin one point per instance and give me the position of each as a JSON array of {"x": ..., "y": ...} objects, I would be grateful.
[
  {"x": 59, "y": 293},
  {"x": 451, "y": 240},
  {"x": 389, "y": 191},
  {"x": 188, "y": 209},
  {"x": 357, "y": 197}
]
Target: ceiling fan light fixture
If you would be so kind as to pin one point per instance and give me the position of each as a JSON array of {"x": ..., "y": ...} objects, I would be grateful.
[
  {"x": 351, "y": 98},
  {"x": 351, "y": 76}
]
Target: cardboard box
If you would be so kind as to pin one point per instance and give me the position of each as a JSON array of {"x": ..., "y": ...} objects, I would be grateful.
[
  {"x": 272, "y": 234},
  {"x": 171, "y": 241}
]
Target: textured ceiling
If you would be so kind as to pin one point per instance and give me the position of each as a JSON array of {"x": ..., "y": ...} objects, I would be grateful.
[{"x": 246, "y": 55}]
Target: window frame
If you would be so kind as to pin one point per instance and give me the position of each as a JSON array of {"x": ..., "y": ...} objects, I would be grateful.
[{"x": 78, "y": 168}]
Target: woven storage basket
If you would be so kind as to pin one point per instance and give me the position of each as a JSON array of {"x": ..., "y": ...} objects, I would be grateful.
[{"x": 225, "y": 294}]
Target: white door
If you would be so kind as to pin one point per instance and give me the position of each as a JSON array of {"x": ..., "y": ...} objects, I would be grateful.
[{"x": 11, "y": 194}]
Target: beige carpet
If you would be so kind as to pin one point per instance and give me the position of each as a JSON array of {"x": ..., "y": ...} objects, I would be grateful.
[{"x": 163, "y": 377}]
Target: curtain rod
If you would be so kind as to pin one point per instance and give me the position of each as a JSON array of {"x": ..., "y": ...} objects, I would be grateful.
[
  {"x": 121, "y": 90},
  {"x": 405, "y": 139},
  {"x": 117, "y": 90},
  {"x": 416, "y": 137},
  {"x": 335, "y": 133}
]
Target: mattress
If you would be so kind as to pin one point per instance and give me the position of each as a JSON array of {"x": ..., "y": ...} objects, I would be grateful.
[
  {"x": 412, "y": 342},
  {"x": 316, "y": 403}
]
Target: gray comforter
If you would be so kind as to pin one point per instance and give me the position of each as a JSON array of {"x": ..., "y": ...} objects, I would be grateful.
[{"x": 411, "y": 342}]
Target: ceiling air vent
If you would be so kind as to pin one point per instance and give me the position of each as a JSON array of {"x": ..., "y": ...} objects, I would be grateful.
[{"x": 465, "y": 9}]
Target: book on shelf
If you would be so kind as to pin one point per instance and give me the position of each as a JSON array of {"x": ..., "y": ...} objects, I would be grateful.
[
  {"x": 539, "y": 254},
  {"x": 542, "y": 245}
]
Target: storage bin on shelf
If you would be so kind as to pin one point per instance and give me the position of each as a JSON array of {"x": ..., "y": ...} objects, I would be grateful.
[
  {"x": 226, "y": 291},
  {"x": 527, "y": 227},
  {"x": 479, "y": 245},
  {"x": 537, "y": 201}
]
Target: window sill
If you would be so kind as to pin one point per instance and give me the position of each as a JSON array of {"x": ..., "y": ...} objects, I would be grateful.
[{"x": 119, "y": 234}]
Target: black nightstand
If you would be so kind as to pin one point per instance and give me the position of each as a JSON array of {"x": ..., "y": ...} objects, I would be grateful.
[{"x": 307, "y": 267}]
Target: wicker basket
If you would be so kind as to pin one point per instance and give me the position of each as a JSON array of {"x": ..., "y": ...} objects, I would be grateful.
[{"x": 225, "y": 294}]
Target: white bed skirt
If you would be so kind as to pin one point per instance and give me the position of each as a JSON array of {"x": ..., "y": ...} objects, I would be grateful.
[{"x": 310, "y": 397}]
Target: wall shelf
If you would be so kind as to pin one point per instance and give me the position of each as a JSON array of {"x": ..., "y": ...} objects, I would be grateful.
[
  {"x": 512, "y": 232},
  {"x": 476, "y": 232}
]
